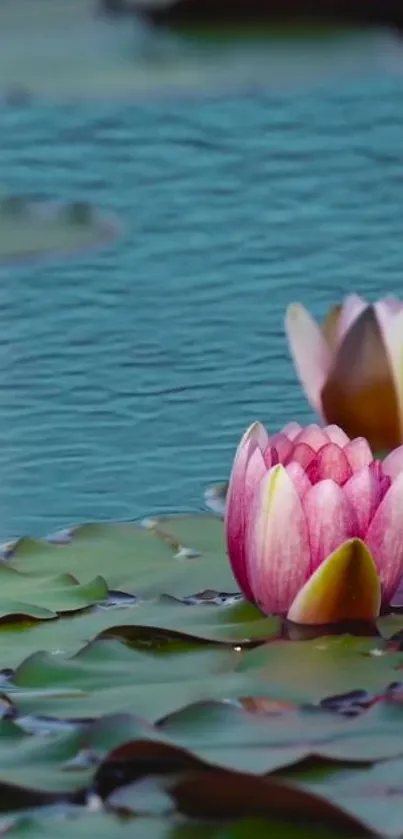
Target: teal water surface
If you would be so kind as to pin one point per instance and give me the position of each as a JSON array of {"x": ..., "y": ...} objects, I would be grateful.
[{"x": 127, "y": 375}]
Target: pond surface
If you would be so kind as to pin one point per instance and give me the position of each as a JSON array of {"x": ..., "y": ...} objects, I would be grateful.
[{"x": 128, "y": 375}]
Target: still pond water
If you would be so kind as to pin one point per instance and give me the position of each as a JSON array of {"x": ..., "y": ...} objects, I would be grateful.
[{"x": 128, "y": 374}]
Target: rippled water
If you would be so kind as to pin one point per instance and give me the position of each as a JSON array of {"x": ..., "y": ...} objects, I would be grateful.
[{"x": 127, "y": 376}]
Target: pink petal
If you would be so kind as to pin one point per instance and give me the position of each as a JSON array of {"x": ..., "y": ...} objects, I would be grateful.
[
  {"x": 313, "y": 435},
  {"x": 358, "y": 453},
  {"x": 353, "y": 306},
  {"x": 303, "y": 454},
  {"x": 310, "y": 352},
  {"x": 330, "y": 462},
  {"x": 393, "y": 463},
  {"x": 365, "y": 494},
  {"x": 383, "y": 481},
  {"x": 235, "y": 521},
  {"x": 385, "y": 539},
  {"x": 283, "y": 446},
  {"x": 336, "y": 435},
  {"x": 291, "y": 430},
  {"x": 299, "y": 478},
  {"x": 270, "y": 456},
  {"x": 277, "y": 543},
  {"x": 331, "y": 520}
]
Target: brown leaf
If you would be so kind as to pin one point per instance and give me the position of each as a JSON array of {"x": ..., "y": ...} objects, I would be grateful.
[{"x": 237, "y": 795}]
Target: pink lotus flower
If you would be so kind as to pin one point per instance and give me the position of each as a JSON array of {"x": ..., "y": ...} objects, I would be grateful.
[
  {"x": 352, "y": 367},
  {"x": 314, "y": 525}
]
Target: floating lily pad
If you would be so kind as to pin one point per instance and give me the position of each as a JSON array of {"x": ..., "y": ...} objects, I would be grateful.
[
  {"x": 44, "y": 596},
  {"x": 63, "y": 762},
  {"x": 84, "y": 824},
  {"x": 68, "y": 50},
  {"x": 106, "y": 676},
  {"x": 135, "y": 674},
  {"x": 156, "y": 624},
  {"x": 32, "y": 229},
  {"x": 143, "y": 561}
]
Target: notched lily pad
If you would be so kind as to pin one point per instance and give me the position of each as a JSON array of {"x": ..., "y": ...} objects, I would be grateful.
[
  {"x": 177, "y": 556},
  {"x": 41, "y": 597}
]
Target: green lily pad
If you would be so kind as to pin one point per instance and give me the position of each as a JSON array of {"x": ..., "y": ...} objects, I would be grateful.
[
  {"x": 323, "y": 667},
  {"x": 107, "y": 676},
  {"x": 230, "y": 737},
  {"x": 374, "y": 796},
  {"x": 145, "y": 561},
  {"x": 86, "y": 825},
  {"x": 31, "y": 229},
  {"x": 42, "y": 597},
  {"x": 154, "y": 623},
  {"x": 69, "y": 51},
  {"x": 60, "y": 763}
]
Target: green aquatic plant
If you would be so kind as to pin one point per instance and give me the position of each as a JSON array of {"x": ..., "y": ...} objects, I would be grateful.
[{"x": 138, "y": 682}]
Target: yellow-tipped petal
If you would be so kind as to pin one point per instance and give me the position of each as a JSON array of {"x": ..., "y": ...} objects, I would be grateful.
[{"x": 345, "y": 587}]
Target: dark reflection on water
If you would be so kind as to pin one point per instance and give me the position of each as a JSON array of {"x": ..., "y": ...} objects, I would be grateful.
[{"x": 127, "y": 376}]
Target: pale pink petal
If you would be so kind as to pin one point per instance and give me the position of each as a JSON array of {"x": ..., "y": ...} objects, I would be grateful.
[
  {"x": 330, "y": 462},
  {"x": 291, "y": 430},
  {"x": 277, "y": 543},
  {"x": 385, "y": 539},
  {"x": 393, "y": 463},
  {"x": 330, "y": 518},
  {"x": 337, "y": 435},
  {"x": 313, "y": 435},
  {"x": 255, "y": 471},
  {"x": 393, "y": 304},
  {"x": 283, "y": 446},
  {"x": 258, "y": 432},
  {"x": 358, "y": 453},
  {"x": 365, "y": 494},
  {"x": 353, "y": 306},
  {"x": 235, "y": 521},
  {"x": 386, "y": 310},
  {"x": 299, "y": 477},
  {"x": 310, "y": 352},
  {"x": 303, "y": 454}
]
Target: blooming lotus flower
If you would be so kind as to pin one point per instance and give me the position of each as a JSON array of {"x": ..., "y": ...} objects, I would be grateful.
[
  {"x": 314, "y": 525},
  {"x": 351, "y": 368}
]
